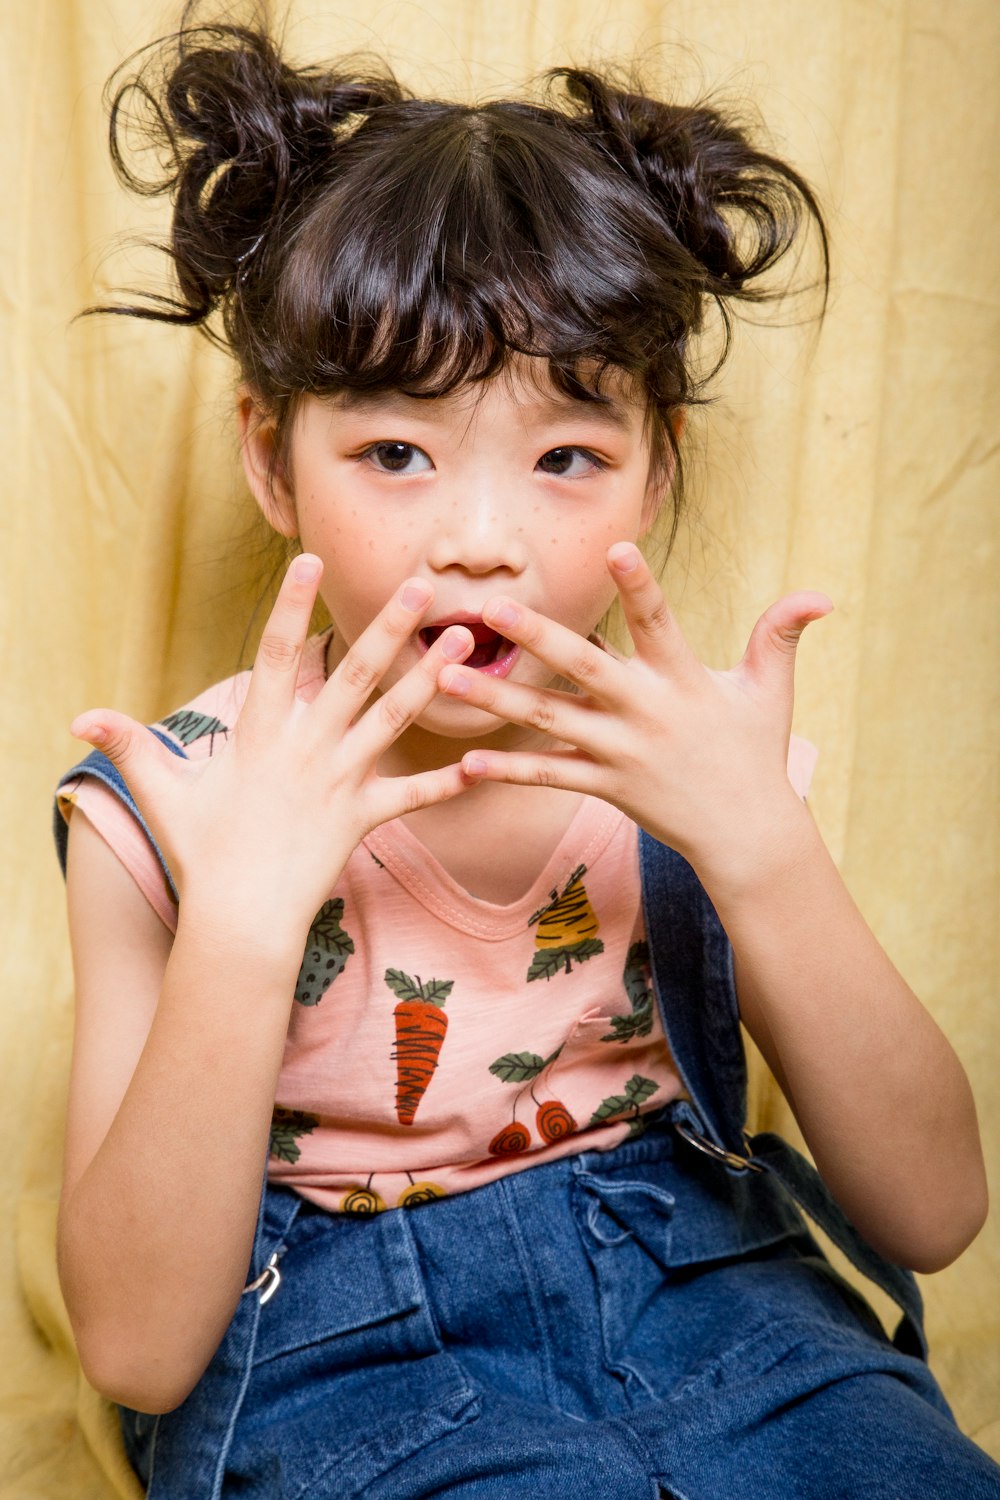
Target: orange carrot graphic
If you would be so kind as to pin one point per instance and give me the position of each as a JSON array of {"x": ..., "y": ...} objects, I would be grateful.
[{"x": 420, "y": 1027}]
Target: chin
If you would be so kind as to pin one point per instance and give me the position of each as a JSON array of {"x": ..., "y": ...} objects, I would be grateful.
[{"x": 454, "y": 720}]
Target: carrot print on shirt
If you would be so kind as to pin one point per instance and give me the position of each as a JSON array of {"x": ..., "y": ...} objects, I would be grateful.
[
  {"x": 566, "y": 928},
  {"x": 420, "y": 1024}
]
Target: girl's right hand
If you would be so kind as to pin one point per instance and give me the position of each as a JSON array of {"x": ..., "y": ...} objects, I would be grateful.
[{"x": 262, "y": 829}]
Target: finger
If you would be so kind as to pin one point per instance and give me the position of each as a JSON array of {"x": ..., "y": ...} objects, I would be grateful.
[
  {"x": 406, "y": 700},
  {"x": 396, "y": 795},
  {"x": 561, "y": 715},
  {"x": 655, "y": 633},
  {"x": 276, "y": 665},
  {"x": 562, "y": 768},
  {"x": 354, "y": 679},
  {"x": 566, "y": 654},
  {"x": 131, "y": 747},
  {"x": 769, "y": 658}
]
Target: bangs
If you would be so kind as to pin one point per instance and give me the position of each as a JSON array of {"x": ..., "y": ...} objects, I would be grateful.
[{"x": 456, "y": 239}]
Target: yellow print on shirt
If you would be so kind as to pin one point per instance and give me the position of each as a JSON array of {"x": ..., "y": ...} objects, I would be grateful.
[{"x": 566, "y": 928}]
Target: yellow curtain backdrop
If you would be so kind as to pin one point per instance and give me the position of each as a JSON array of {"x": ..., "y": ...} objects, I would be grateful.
[{"x": 863, "y": 462}]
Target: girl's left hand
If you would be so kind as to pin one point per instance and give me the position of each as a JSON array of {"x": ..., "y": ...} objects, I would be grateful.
[{"x": 696, "y": 757}]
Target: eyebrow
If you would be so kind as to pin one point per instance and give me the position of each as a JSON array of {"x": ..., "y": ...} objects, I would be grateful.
[{"x": 537, "y": 413}]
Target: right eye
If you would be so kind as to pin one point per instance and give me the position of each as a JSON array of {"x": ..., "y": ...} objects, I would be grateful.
[{"x": 398, "y": 458}]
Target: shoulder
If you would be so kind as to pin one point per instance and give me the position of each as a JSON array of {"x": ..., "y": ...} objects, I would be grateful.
[{"x": 200, "y": 727}]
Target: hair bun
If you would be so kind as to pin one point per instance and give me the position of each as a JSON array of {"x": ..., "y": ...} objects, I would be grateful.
[
  {"x": 239, "y": 130},
  {"x": 735, "y": 209}
]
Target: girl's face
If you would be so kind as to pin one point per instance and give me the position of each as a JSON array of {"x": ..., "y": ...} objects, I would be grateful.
[{"x": 509, "y": 488}]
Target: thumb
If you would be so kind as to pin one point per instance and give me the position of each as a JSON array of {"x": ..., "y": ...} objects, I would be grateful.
[
  {"x": 770, "y": 654},
  {"x": 136, "y": 753}
]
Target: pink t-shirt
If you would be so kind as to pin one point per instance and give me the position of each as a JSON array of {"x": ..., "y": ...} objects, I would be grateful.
[{"x": 436, "y": 1041}]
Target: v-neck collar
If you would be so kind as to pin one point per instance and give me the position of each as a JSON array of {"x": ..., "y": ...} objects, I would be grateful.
[{"x": 587, "y": 835}]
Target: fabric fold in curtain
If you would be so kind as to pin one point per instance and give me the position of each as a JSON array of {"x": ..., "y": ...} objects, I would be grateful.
[{"x": 861, "y": 460}]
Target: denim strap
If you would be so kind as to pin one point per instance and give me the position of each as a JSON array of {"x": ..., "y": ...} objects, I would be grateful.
[
  {"x": 692, "y": 968},
  {"x": 101, "y": 769}
]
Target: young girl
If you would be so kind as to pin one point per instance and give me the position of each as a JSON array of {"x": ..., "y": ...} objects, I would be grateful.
[{"x": 450, "y": 913}]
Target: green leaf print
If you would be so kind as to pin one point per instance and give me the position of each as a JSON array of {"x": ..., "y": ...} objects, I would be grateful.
[
  {"x": 636, "y": 976},
  {"x": 637, "y": 1091},
  {"x": 287, "y": 1125},
  {"x": 640, "y": 1089},
  {"x": 636, "y": 982},
  {"x": 615, "y": 1104},
  {"x": 328, "y": 948},
  {"x": 518, "y": 1067},
  {"x": 187, "y": 726},
  {"x": 548, "y": 962},
  {"x": 405, "y": 987},
  {"x": 624, "y": 1028}
]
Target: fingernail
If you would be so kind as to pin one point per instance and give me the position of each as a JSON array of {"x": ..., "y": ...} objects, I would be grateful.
[
  {"x": 305, "y": 569},
  {"x": 472, "y": 765},
  {"x": 625, "y": 561},
  {"x": 415, "y": 597},
  {"x": 455, "y": 683},
  {"x": 94, "y": 734},
  {"x": 505, "y": 614},
  {"x": 454, "y": 646}
]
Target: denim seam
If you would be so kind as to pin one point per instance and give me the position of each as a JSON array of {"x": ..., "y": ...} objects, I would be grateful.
[
  {"x": 832, "y": 1334},
  {"x": 520, "y": 1249},
  {"x": 372, "y": 1445},
  {"x": 248, "y": 1353},
  {"x": 236, "y": 1406}
]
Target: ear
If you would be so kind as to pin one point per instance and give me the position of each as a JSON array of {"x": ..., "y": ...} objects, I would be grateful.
[
  {"x": 661, "y": 475},
  {"x": 266, "y": 473}
]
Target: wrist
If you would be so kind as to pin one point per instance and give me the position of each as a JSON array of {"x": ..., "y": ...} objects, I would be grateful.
[
  {"x": 235, "y": 920},
  {"x": 769, "y": 847}
]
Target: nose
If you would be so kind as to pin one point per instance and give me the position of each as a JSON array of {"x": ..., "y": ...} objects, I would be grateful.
[{"x": 481, "y": 531}]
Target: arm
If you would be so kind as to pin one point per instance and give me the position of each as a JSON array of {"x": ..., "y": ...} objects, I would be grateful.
[
  {"x": 880, "y": 1096},
  {"x": 698, "y": 758},
  {"x": 169, "y": 1111},
  {"x": 178, "y": 1045}
]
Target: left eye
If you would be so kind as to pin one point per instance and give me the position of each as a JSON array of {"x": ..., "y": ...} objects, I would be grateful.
[
  {"x": 568, "y": 463},
  {"x": 398, "y": 458}
]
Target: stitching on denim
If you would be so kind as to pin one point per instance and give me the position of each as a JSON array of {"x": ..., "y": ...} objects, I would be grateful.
[
  {"x": 537, "y": 1314},
  {"x": 467, "y": 1394},
  {"x": 251, "y": 1343},
  {"x": 815, "y": 1331}
]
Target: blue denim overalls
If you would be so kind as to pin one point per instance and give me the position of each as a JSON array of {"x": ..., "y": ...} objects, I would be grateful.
[{"x": 655, "y": 1320}]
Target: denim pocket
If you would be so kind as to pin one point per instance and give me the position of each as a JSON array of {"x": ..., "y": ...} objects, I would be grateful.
[
  {"x": 650, "y": 1235},
  {"x": 349, "y": 1374}
]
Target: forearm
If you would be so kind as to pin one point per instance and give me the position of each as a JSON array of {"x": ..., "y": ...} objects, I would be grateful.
[
  {"x": 883, "y": 1102},
  {"x": 155, "y": 1238}
]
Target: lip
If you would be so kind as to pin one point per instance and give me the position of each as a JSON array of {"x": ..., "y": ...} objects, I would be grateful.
[
  {"x": 502, "y": 665},
  {"x": 498, "y": 668}
]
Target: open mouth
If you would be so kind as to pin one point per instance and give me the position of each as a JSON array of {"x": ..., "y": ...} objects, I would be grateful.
[{"x": 493, "y": 653}]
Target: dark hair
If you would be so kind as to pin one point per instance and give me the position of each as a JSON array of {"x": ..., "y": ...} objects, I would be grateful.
[{"x": 352, "y": 236}]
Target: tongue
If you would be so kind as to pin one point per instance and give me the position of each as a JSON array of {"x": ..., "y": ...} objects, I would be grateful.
[
  {"x": 486, "y": 649},
  {"x": 485, "y": 652}
]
